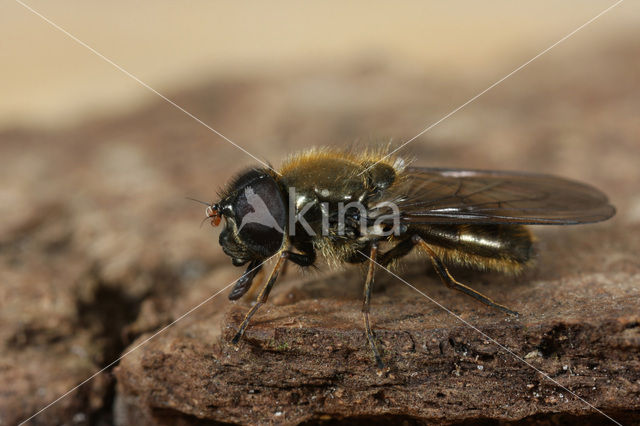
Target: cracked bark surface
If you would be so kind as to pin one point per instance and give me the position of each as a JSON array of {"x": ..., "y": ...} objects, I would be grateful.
[{"x": 309, "y": 360}]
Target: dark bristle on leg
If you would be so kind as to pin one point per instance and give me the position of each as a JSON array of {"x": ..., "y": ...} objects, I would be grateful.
[
  {"x": 367, "y": 303},
  {"x": 450, "y": 282},
  {"x": 262, "y": 297}
]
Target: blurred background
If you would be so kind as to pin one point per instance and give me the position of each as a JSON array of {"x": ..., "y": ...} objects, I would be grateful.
[
  {"x": 50, "y": 80},
  {"x": 97, "y": 242}
]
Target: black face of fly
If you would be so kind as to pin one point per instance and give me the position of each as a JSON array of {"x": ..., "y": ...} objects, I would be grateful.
[{"x": 256, "y": 217}]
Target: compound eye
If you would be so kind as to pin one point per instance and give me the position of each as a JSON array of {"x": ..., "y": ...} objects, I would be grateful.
[{"x": 261, "y": 215}]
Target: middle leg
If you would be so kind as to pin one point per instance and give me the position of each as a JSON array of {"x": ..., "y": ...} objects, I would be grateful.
[{"x": 366, "y": 305}]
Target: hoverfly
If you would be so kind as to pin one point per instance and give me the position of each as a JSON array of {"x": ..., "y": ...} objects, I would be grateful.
[{"x": 472, "y": 218}]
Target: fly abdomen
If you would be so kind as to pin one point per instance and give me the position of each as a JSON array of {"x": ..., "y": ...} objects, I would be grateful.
[{"x": 506, "y": 248}]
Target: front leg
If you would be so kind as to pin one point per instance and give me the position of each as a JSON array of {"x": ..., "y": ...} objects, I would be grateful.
[
  {"x": 244, "y": 283},
  {"x": 262, "y": 297}
]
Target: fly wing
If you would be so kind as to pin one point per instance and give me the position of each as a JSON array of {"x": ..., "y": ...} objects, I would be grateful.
[{"x": 453, "y": 196}]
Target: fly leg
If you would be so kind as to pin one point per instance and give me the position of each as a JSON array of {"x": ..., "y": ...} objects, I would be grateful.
[
  {"x": 399, "y": 250},
  {"x": 366, "y": 305},
  {"x": 262, "y": 297},
  {"x": 244, "y": 283},
  {"x": 450, "y": 282}
]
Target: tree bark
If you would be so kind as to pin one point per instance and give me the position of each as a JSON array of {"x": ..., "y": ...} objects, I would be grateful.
[{"x": 573, "y": 353}]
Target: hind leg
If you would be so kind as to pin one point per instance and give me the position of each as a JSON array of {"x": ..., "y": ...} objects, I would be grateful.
[{"x": 450, "y": 282}]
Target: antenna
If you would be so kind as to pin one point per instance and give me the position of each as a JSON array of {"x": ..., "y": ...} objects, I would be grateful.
[{"x": 198, "y": 201}]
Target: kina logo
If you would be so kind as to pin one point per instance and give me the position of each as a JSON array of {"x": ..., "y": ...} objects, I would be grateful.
[{"x": 260, "y": 213}]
